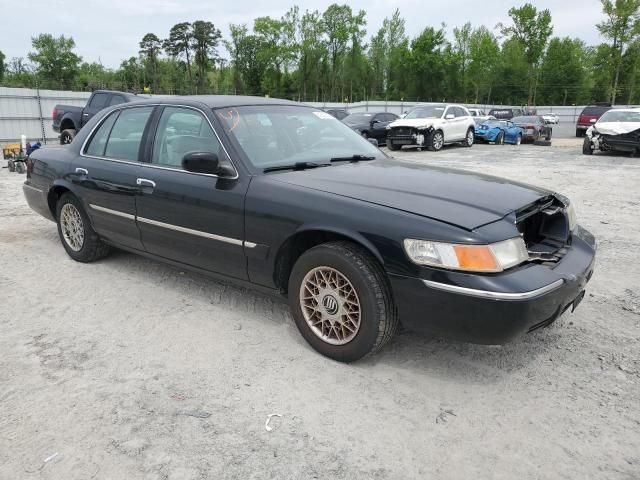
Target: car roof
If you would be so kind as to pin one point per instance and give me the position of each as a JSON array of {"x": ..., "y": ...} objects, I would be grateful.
[
  {"x": 630, "y": 109},
  {"x": 220, "y": 101}
]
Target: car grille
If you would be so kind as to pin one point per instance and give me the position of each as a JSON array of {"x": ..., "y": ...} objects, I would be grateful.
[
  {"x": 401, "y": 131},
  {"x": 544, "y": 227}
]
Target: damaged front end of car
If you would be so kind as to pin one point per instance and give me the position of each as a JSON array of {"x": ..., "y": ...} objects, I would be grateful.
[
  {"x": 404, "y": 135},
  {"x": 607, "y": 140}
]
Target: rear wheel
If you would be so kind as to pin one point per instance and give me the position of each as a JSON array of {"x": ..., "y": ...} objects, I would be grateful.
[
  {"x": 12, "y": 165},
  {"x": 341, "y": 301},
  {"x": 468, "y": 139},
  {"x": 392, "y": 146},
  {"x": 586, "y": 147},
  {"x": 579, "y": 133},
  {"x": 435, "y": 141},
  {"x": 500, "y": 139},
  {"x": 518, "y": 139},
  {"x": 66, "y": 136},
  {"x": 548, "y": 136},
  {"x": 77, "y": 235}
]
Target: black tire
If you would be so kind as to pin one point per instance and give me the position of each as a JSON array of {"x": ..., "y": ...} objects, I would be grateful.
[
  {"x": 469, "y": 138},
  {"x": 378, "y": 315},
  {"x": 391, "y": 146},
  {"x": 365, "y": 134},
  {"x": 586, "y": 147},
  {"x": 548, "y": 136},
  {"x": 519, "y": 140},
  {"x": 500, "y": 139},
  {"x": 12, "y": 165},
  {"x": 542, "y": 143},
  {"x": 432, "y": 142},
  {"x": 92, "y": 247},
  {"x": 66, "y": 136},
  {"x": 579, "y": 133},
  {"x": 20, "y": 167}
]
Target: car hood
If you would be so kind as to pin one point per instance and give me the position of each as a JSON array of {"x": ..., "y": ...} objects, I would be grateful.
[
  {"x": 465, "y": 199},
  {"x": 359, "y": 126},
  {"x": 616, "y": 128},
  {"x": 414, "y": 122}
]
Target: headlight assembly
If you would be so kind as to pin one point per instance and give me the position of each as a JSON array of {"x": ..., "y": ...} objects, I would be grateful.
[{"x": 495, "y": 257}]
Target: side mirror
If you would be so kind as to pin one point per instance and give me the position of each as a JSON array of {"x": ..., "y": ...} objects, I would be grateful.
[
  {"x": 201, "y": 162},
  {"x": 373, "y": 141},
  {"x": 450, "y": 116},
  {"x": 373, "y": 122}
]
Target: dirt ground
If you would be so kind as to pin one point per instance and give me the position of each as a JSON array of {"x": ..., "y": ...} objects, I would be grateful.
[{"x": 131, "y": 369}]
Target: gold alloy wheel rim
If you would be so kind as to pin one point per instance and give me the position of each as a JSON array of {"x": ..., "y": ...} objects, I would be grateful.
[
  {"x": 330, "y": 305},
  {"x": 72, "y": 227}
]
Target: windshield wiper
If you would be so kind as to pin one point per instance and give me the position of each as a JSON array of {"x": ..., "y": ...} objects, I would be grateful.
[
  {"x": 296, "y": 166},
  {"x": 352, "y": 158}
]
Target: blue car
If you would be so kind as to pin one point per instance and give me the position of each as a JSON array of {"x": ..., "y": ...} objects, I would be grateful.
[{"x": 499, "y": 132}]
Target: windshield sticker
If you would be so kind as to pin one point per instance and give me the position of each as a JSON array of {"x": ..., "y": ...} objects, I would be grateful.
[
  {"x": 323, "y": 115},
  {"x": 232, "y": 117}
]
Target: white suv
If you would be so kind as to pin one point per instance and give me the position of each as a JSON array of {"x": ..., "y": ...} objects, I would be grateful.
[{"x": 432, "y": 126}]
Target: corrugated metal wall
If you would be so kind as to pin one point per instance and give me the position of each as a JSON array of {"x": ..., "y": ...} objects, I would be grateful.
[{"x": 26, "y": 111}]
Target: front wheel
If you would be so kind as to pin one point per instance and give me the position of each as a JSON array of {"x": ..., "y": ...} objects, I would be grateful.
[
  {"x": 586, "y": 147},
  {"x": 468, "y": 139},
  {"x": 435, "y": 141},
  {"x": 77, "y": 235},
  {"x": 341, "y": 301},
  {"x": 500, "y": 139},
  {"x": 579, "y": 133}
]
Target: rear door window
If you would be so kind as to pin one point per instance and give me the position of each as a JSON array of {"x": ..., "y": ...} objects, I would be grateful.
[
  {"x": 98, "y": 142},
  {"x": 116, "y": 100},
  {"x": 99, "y": 101},
  {"x": 126, "y": 134}
]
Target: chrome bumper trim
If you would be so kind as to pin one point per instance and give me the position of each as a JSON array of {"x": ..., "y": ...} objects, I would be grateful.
[{"x": 494, "y": 295}]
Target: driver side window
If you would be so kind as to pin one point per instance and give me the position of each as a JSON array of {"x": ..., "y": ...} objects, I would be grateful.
[{"x": 181, "y": 131}]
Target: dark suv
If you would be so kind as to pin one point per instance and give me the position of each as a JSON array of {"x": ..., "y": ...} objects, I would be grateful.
[
  {"x": 589, "y": 116},
  {"x": 506, "y": 113}
]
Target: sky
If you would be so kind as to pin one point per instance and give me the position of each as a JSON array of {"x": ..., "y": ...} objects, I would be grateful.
[{"x": 109, "y": 31}]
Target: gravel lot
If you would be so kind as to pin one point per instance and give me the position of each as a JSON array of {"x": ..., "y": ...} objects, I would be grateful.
[{"x": 131, "y": 369}]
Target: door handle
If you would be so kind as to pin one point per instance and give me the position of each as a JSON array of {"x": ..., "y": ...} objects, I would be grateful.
[
  {"x": 143, "y": 182},
  {"x": 82, "y": 171}
]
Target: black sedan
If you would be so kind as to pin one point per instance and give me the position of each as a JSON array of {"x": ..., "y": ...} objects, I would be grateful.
[
  {"x": 288, "y": 200},
  {"x": 534, "y": 128},
  {"x": 371, "y": 124}
]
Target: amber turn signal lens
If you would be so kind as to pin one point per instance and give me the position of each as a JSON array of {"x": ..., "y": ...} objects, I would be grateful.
[{"x": 478, "y": 258}]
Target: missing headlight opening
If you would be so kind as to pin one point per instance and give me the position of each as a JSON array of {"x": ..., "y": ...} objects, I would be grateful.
[{"x": 545, "y": 229}]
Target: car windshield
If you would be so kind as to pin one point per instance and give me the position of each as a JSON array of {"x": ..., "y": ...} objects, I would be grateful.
[
  {"x": 279, "y": 135},
  {"x": 429, "y": 111},
  {"x": 619, "y": 116},
  {"x": 529, "y": 119},
  {"x": 496, "y": 123},
  {"x": 355, "y": 118}
]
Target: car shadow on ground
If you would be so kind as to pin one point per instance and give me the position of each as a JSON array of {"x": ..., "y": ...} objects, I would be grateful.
[{"x": 408, "y": 351}]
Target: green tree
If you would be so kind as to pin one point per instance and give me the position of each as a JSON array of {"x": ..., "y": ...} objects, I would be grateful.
[
  {"x": 179, "y": 44},
  {"x": 204, "y": 44},
  {"x": 2, "y": 65},
  {"x": 562, "y": 72},
  {"x": 533, "y": 30},
  {"x": 462, "y": 51},
  {"x": 621, "y": 26},
  {"x": 150, "y": 47},
  {"x": 56, "y": 62},
  {"x": 484, "y": 55},
  {"x": 428, "y": 65}
]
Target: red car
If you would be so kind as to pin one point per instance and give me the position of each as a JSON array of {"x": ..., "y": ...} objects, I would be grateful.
[{"x": 588, "y": 117}]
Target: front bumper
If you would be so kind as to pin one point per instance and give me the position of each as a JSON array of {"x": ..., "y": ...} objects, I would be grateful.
[
  {"x": 487, "y": 136},
  {"x": 493, "y": 309}
]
